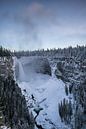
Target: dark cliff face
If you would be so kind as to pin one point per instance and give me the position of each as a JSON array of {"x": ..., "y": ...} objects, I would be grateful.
[
  {"x": 13, "y": 105},
  {"x": 43, "y": 66}
]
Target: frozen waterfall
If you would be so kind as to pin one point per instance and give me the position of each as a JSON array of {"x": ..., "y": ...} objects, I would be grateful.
[{"x": 21, "y": 72}]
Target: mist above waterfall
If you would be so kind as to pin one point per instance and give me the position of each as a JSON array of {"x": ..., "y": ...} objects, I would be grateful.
[{"x": 26, "y": 68}]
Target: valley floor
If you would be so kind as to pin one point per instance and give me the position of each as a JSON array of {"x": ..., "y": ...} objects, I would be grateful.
[{"x": 44, "y": 92}]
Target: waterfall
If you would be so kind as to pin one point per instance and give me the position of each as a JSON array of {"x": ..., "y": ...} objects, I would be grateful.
[{"x": 21, "y": 72}]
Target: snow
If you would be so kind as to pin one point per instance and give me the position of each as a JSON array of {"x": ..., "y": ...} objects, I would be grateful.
[
  {"x": 4, "y": 127},
  {"x": 48, "y": 91}
]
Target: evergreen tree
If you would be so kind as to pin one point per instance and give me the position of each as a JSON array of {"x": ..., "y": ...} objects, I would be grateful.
[{"x": 66, "y": 90}]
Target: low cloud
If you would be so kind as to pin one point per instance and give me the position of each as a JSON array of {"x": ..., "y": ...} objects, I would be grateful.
[{"x": 37, "y": 25}]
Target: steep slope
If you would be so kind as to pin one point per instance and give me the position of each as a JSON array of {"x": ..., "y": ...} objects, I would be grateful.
[{"x": 13, "y": 109}]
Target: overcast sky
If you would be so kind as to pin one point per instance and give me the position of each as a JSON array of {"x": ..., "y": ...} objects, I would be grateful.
[{"x": 37, "y": 24}]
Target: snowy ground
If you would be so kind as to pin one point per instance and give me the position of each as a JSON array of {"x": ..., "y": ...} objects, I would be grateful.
[
  {"x": 4, "y": 127},
  {"x": 43, "y": 91}
]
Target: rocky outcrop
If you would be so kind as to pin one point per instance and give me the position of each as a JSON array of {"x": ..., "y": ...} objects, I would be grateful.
[
  {"x": 14, "y": 107},
  {"x": 59, "y": 71}
]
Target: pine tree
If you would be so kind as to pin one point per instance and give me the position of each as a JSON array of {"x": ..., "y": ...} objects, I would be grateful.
[{"x": 66, "y": 90}]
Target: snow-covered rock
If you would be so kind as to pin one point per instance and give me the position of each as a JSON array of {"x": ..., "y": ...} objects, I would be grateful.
[{"x": 4, "y": 127}]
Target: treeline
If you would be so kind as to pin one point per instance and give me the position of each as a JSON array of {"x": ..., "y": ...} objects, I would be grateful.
[
  {"x": 4, "y": 52},
  {"x": 78, "y": 52}
]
